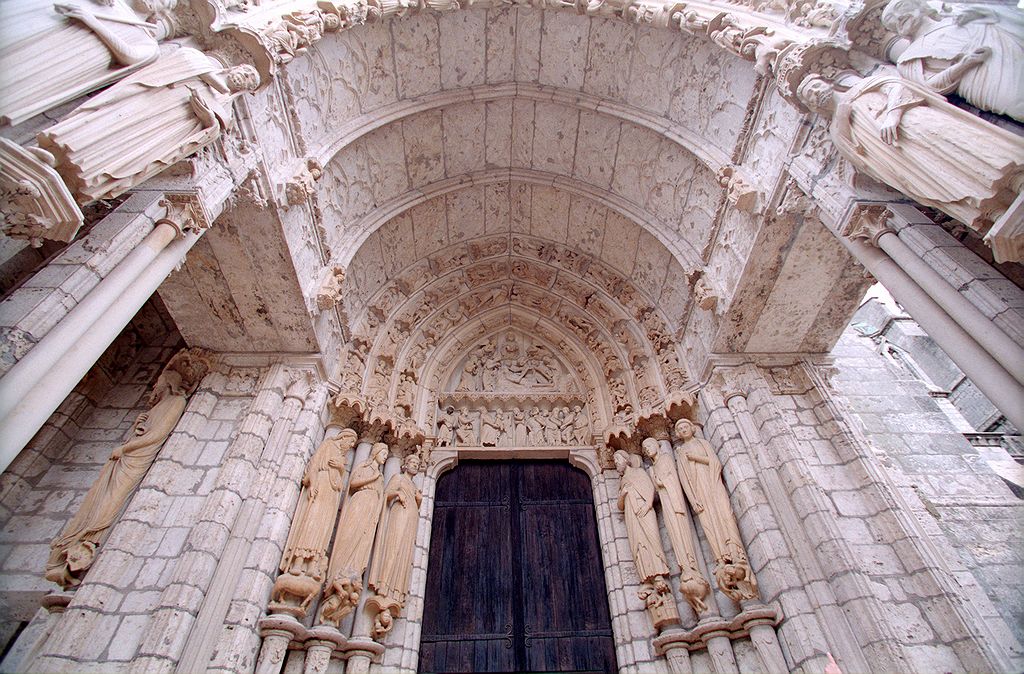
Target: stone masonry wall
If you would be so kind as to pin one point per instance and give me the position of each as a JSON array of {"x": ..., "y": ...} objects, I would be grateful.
[
  {"x": 966, "y": 511},
  {"x": 110, "y": 612},
  {"x": 46, "y": 483}
]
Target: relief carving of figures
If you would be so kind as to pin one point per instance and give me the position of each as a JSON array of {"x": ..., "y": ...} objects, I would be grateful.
[
  {"x": 303, "y": 185},
  {"x": 912, "y": 139},
  {"x": 304, "y": 561},
  {"x": 636, "y": 501},
  {"x": 738, "y": 190},
  {"x": 392, "y": 561},
  {"x": 170, "y": 109},
  {"x": 692, "y": 583},
  {"x": 580, "y": 427},
  {"x": 510, "y": 367},
  {"x": 329, "y": 295},
  {"x": 446, "y": 428},
  {"x": 465, "y": 434},
  {"x": 520, "y": 436},
  {"x": 977, "y": 53},
  {"x": 353, "y": 539},
  {"x": 552, "y": 427},
  {"x": 490, "y": 428},
  {"x": 701, "y": 476},
  {"x": 535, "y": 428},
  {"x": 52, "y": 53},
  {"x": 73, "y": 551}
]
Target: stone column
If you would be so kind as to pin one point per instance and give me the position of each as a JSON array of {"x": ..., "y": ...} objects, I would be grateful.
[
  {"x": 877, "y": 231},
  {"x": 226, "y": 585},
  {"x": 867, "y": 225},
  {"x": 37, "y": 384},
  {"x": 807, "y": 520},
  {"x": 180, "y": 602}
]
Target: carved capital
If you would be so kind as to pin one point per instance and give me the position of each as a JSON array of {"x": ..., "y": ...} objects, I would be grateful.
[
  {"x": 299, "y": 385},
  {"x": 347, "y": 409},
  {"x": 654, "y": 424},
  {"x": 862, "y": 24},
  {"x": 185, "y": 212},
  {"x": 867, "y": 223}
]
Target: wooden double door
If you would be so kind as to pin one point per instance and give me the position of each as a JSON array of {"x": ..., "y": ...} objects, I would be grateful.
[{"x": 515, "y": 581}]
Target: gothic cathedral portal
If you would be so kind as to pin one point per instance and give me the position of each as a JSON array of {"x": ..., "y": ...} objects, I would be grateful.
[{"x": 515, "y": 581}]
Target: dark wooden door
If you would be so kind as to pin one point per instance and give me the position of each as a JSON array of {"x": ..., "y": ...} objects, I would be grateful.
[{"x": 515, "y": 581}]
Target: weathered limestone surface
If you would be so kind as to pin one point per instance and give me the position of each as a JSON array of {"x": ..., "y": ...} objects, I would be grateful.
[{"x": 623, "y": 212}]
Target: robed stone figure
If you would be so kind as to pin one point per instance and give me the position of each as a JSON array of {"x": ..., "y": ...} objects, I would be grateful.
[
  {"x": 692, "y": 584},
  {"x": 353, "y": 540},
  {"x": 304, "y": 562},
  {"x": 146, "y": 122},
  {"x": 700, "y": 473},
  {"x": 910, "y": 138},
  {"x": 392, "y": 560},
  {"x": 636, "y": 501},
  {"x": 73, "y": 551},
  {"x": 52, "y": 53}
]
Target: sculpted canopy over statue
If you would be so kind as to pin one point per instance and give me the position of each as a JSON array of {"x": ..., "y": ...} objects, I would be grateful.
[
  {"x": 73, "y": 551},
  {"x": 392, "y": 561},
  {"x": 977, "y": 53},
  {"x": 353, "y": 540},
  {"x": 304, "y": 561},
  {"x": 701, "y": 476},
  {"x": 53, "y": 53},
  {"x": 677, "y": 521},
  {"x": 145, "y": 123},
  {"x": 912, "y": 139}
]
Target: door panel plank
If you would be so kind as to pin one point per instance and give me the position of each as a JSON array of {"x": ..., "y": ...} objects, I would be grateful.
[{"x": 515, "y": 581}]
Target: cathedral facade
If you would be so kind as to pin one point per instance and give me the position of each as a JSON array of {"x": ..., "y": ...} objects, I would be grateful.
[{"x": 381, "y": 336}]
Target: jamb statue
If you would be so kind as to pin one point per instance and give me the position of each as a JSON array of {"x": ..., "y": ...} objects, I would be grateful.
[{"x": 145, "y": 123}]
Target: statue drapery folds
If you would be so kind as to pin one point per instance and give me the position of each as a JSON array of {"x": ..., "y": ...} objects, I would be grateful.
[
  {"x": 354, "y": 535},
  {"x": 692, "y": 584},
  {"x": 74, "y": 550},
  {"x": 392, "y": 561},
  {"x": 145, "y": 123},
  {"x": 700, "y": 474},
  {"x": 977, "y": 53},
  {"x": 304, "y": 562},
  {"x": 52, "y": 53},
  {"x": 636, "y": 501},
  {"x": 912, "y": 139}
]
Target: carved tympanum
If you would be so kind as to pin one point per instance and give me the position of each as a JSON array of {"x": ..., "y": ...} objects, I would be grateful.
[
  {"x": 392, "y": 560},
  {"x": 692, "y": 583},
  {"x": 304, "y": 561},
  {"x": 73, "y": 551},
  {"x": 636, "y": 501},
  {"x": 701, "y": 476},
  {"x": 353, "y": 539},
  {"x": 169, "y": 109}
]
